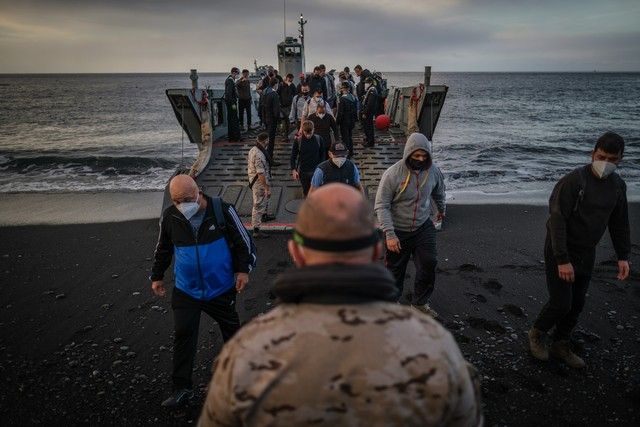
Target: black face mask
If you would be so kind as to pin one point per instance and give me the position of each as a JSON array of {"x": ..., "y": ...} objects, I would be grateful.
[{"x": 417, "y": 165}]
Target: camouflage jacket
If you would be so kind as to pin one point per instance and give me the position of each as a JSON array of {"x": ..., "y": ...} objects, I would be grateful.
[{"x": 339, "y": 351}]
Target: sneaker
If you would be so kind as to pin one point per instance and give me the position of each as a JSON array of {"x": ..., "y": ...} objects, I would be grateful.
[
  {"x": 538, "y": 344},
  {"x": 426, "y": 309},
  {"x": 267, "y": 218},
  {"x": 178, "y": 398},
  {"x": 562, "y": 350},
  {"x": 257, "y": 234}
]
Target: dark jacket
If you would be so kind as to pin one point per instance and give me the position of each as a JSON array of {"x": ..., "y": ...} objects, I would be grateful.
[
  {"x": 345, "y": 174},
  {"x": 230, "y": 91},
  {"x": 370, "y": 102},
  {"x": 317, "y": 82},
  {"x": 270, "y": 106},
  {"x": 306, "y": 154},
  {"x": 347, "y": 111},
  {"x": 360, "y": 87},
  {"x": 244, "y": 89},
  {"x": 323, "y": 127},
  {"x": 205, "y": 262},
  {"x": 576, "y": 223},
  {"x": 286, "y": 93}
]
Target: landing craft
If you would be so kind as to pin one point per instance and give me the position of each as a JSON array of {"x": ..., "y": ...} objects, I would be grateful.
[{"x": 220, "y": 168}]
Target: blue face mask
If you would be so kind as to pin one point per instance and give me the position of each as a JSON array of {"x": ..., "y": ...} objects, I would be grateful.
[{"x": 189, "y": 209}]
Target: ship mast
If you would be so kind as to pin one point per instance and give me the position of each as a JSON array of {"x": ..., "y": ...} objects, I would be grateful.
[{"x": 302, "y": 22}]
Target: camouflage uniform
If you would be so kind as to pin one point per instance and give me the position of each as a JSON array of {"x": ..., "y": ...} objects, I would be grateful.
[{"x": 337, "y": 351}]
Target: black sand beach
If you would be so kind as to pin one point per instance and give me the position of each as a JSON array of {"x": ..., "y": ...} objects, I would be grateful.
[{"x": 83, "y": 340}]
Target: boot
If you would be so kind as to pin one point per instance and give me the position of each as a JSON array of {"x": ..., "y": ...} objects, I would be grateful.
[
  {"x": 562, "y": 350},
  {"x": 268, "y": 218},
  {"x": 537, "y": 344}
]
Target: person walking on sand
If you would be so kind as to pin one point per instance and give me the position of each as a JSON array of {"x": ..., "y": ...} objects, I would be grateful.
[
  {"x": 338, "y": 350},
  {"x": 213, "y": 257},
  {"x": 259, "y": 171},
  {"x": 404, "y": 212},
  {"x": 582, "y": 205}
]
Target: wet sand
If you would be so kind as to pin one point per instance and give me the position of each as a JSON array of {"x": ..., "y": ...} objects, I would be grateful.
[{"x": 83, "y": 340}]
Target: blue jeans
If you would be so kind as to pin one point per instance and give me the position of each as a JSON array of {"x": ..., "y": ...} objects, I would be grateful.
[{"x": 421, "y": 244}]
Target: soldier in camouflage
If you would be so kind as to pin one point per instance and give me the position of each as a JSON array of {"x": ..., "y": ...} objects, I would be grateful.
[{"x": 338, "y": 350}]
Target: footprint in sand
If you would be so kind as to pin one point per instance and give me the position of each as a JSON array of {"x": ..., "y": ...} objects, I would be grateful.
[
  {"x": 470, "y": 268},
  {"x": 493, "y": 286}
]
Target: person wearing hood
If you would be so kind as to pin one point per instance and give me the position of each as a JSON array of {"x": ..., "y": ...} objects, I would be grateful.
[
  {"x": 337, "y": 350},
  {"x": 324, "y": 125},
  {"x": 347, "y": 115},
  {"x": 583, "y": 204},
  {"x": 271, "y": 114},
  {"x": 403, "y": 206},
  {"x": 231, "y": 101},
  {"x": 259, "y": 172},
  {"x": 337, "y": 169},
  {"x": 212, "y": 264}
]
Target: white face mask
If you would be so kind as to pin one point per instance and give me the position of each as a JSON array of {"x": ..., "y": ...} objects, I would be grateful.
[
  {"x": 321, "y": 115},
  {"x": 339, "y": 161},
  {"x": 367, "y": 86},
  {"x": 603, "y": 168},
  {"x": 189, "y": 209}
]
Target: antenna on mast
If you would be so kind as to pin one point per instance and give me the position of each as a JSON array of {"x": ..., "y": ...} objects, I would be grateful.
[
  {"x": 302, "y": 22},
  {"x": 284, "y": 17}
]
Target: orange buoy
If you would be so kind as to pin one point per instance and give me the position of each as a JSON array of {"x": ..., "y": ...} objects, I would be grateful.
[{"x": 382, "y": 122}]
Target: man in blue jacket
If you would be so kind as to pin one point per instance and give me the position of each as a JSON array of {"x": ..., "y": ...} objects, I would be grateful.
[
  {"x": 403, "y": 206},
  {"x": 212, "y": 264}
]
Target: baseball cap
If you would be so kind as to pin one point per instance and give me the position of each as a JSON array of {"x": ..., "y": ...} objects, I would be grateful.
[{"x": 339, "y": 149}]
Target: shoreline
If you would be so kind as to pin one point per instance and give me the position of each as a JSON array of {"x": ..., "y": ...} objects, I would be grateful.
[{"x": 20, "y": 209}]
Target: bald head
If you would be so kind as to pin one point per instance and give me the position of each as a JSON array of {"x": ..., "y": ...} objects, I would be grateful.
[
  {"x": 183, "y": 188},
  {"x": 335, "y": 212}
]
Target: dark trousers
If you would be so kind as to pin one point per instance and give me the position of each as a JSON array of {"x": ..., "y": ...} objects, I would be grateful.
[
  {"x": 272, "y": 128},
  {"x": 367, "y": 126},
  {"x": 245, "y": 105},
  {"x": 285, "y": 121},
  {"x": 233, "y": 129},
  {"x": 346, "y": 133},
  {"x": 421, "y": 244},
  {"x": 305, "y": 180},
  {"x": 566, "y": 300},
  {"x": 186, "y": 315}
]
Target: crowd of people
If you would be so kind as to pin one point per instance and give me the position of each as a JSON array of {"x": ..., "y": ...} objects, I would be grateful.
[{"x": 338, "y": 348}]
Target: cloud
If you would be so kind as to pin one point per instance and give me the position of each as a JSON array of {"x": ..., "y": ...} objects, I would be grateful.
[{"x": 162, "y": 35}]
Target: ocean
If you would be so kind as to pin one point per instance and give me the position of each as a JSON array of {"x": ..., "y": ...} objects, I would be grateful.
[{"x": 498, "y": 132}]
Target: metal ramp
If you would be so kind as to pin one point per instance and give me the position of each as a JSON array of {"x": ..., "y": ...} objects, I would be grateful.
[{"x": 226, "y": 174}]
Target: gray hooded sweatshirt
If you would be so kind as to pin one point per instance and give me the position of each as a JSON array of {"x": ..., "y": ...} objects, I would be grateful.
[{"x": 403, "y": 197}]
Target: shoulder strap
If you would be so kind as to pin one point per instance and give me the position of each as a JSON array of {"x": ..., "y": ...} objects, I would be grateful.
[
  {"x": 217, "y": 212},
  {"x": 583, "y": 186}
]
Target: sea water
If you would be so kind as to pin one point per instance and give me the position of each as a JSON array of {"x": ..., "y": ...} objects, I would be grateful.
[{"x": 498, "y": 132}]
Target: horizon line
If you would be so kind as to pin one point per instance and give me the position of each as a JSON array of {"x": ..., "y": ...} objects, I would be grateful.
[{"x": 382, "y": 71}]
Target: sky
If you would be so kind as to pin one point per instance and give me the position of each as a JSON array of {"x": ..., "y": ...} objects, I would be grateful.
[{"x": 77, "y": 36}]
